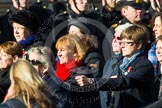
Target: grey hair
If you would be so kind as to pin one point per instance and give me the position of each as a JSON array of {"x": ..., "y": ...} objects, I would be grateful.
[
  {"x": 46, "y": 55},
  {"x": 123, "y": 26}
]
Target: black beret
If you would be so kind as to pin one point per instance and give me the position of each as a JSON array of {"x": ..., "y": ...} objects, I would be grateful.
[{"x": 81, "y": 23}]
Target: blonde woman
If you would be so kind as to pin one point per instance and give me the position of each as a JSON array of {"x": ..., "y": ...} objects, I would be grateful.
[
  {"x": 27, "y": 89},
  {"x": 71, "y": 52}
]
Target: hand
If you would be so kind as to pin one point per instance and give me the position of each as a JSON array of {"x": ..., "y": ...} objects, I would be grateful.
[
  {"x": 82, "y": 80},
  {"x": 114, "y": 76}
]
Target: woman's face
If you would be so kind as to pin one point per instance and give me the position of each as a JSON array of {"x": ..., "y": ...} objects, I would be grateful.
[
  {"x": 20, "y": 32},
  {"x": 159, "y": 51},
  {"x": 129, "y": 47},
  {"x": 34, "y": 59},
  {"x": 157, "y": 27},
  {"x": 116, "y": 43},
  {"x": 76, "y": 31},
  {"x": 65, "y": 55},
  {"x": 5, "y": 60}
]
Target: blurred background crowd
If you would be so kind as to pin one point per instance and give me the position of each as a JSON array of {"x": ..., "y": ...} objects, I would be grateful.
[{"x": 81, "y": 54}]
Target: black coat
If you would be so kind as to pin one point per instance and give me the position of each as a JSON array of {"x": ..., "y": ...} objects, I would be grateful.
[
  {"x": 109, "y": 70},
  {"x": 95, "y": 61},
  {"x": 68, "y": 95},
  {"x": 17, "y": 102},
  {"x": 4, "y": 83},
  {"x": 109, "y": 18},
  {"x": 157, "y": 104},
  {"x": 86, "y": 96},
  {"x": 136, "y": 89},
  {"x": 59, "y": 94}
]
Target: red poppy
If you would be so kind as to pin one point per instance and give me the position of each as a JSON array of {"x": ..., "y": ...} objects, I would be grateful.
[{"x": 130, "y": 69}]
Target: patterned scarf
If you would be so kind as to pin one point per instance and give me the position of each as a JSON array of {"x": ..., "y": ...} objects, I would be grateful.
[
  {"x": 63, "y": 70},
  {"x": 126, "y": 62}
]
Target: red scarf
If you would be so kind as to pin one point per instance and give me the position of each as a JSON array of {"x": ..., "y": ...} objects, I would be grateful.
[{"x": 63, "y": 70}]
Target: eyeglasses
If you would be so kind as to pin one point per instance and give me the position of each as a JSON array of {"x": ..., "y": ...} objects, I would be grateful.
[
  {"x": 35, "y": 62},
  {"x": 127, "y": 43}
]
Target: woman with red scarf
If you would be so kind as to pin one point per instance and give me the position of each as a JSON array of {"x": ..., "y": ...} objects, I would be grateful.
[{"x": 71, "y": 51}]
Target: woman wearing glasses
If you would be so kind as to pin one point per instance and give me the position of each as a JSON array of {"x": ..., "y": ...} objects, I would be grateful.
[
  {"x": 133, "y": 85},
  {"x": 41, "y": 58},
  {"x": 70, "y": 53}
]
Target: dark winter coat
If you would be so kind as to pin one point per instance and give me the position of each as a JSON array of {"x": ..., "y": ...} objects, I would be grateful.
[
  {"x": 136, "y": 89},
  {"x": 95, "y": 61},
  {"x": 17, "y": 102},
  {"x": 68, "y": 95},
  {"x": 109, "y": 18},
  {"x": 157, "y": 104},
  {"x": 4, "y": 83},
  {"x": 109, "y": 70}
]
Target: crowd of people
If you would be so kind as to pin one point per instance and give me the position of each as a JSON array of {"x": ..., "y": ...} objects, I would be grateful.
[{"x": 77, "y": 54}]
